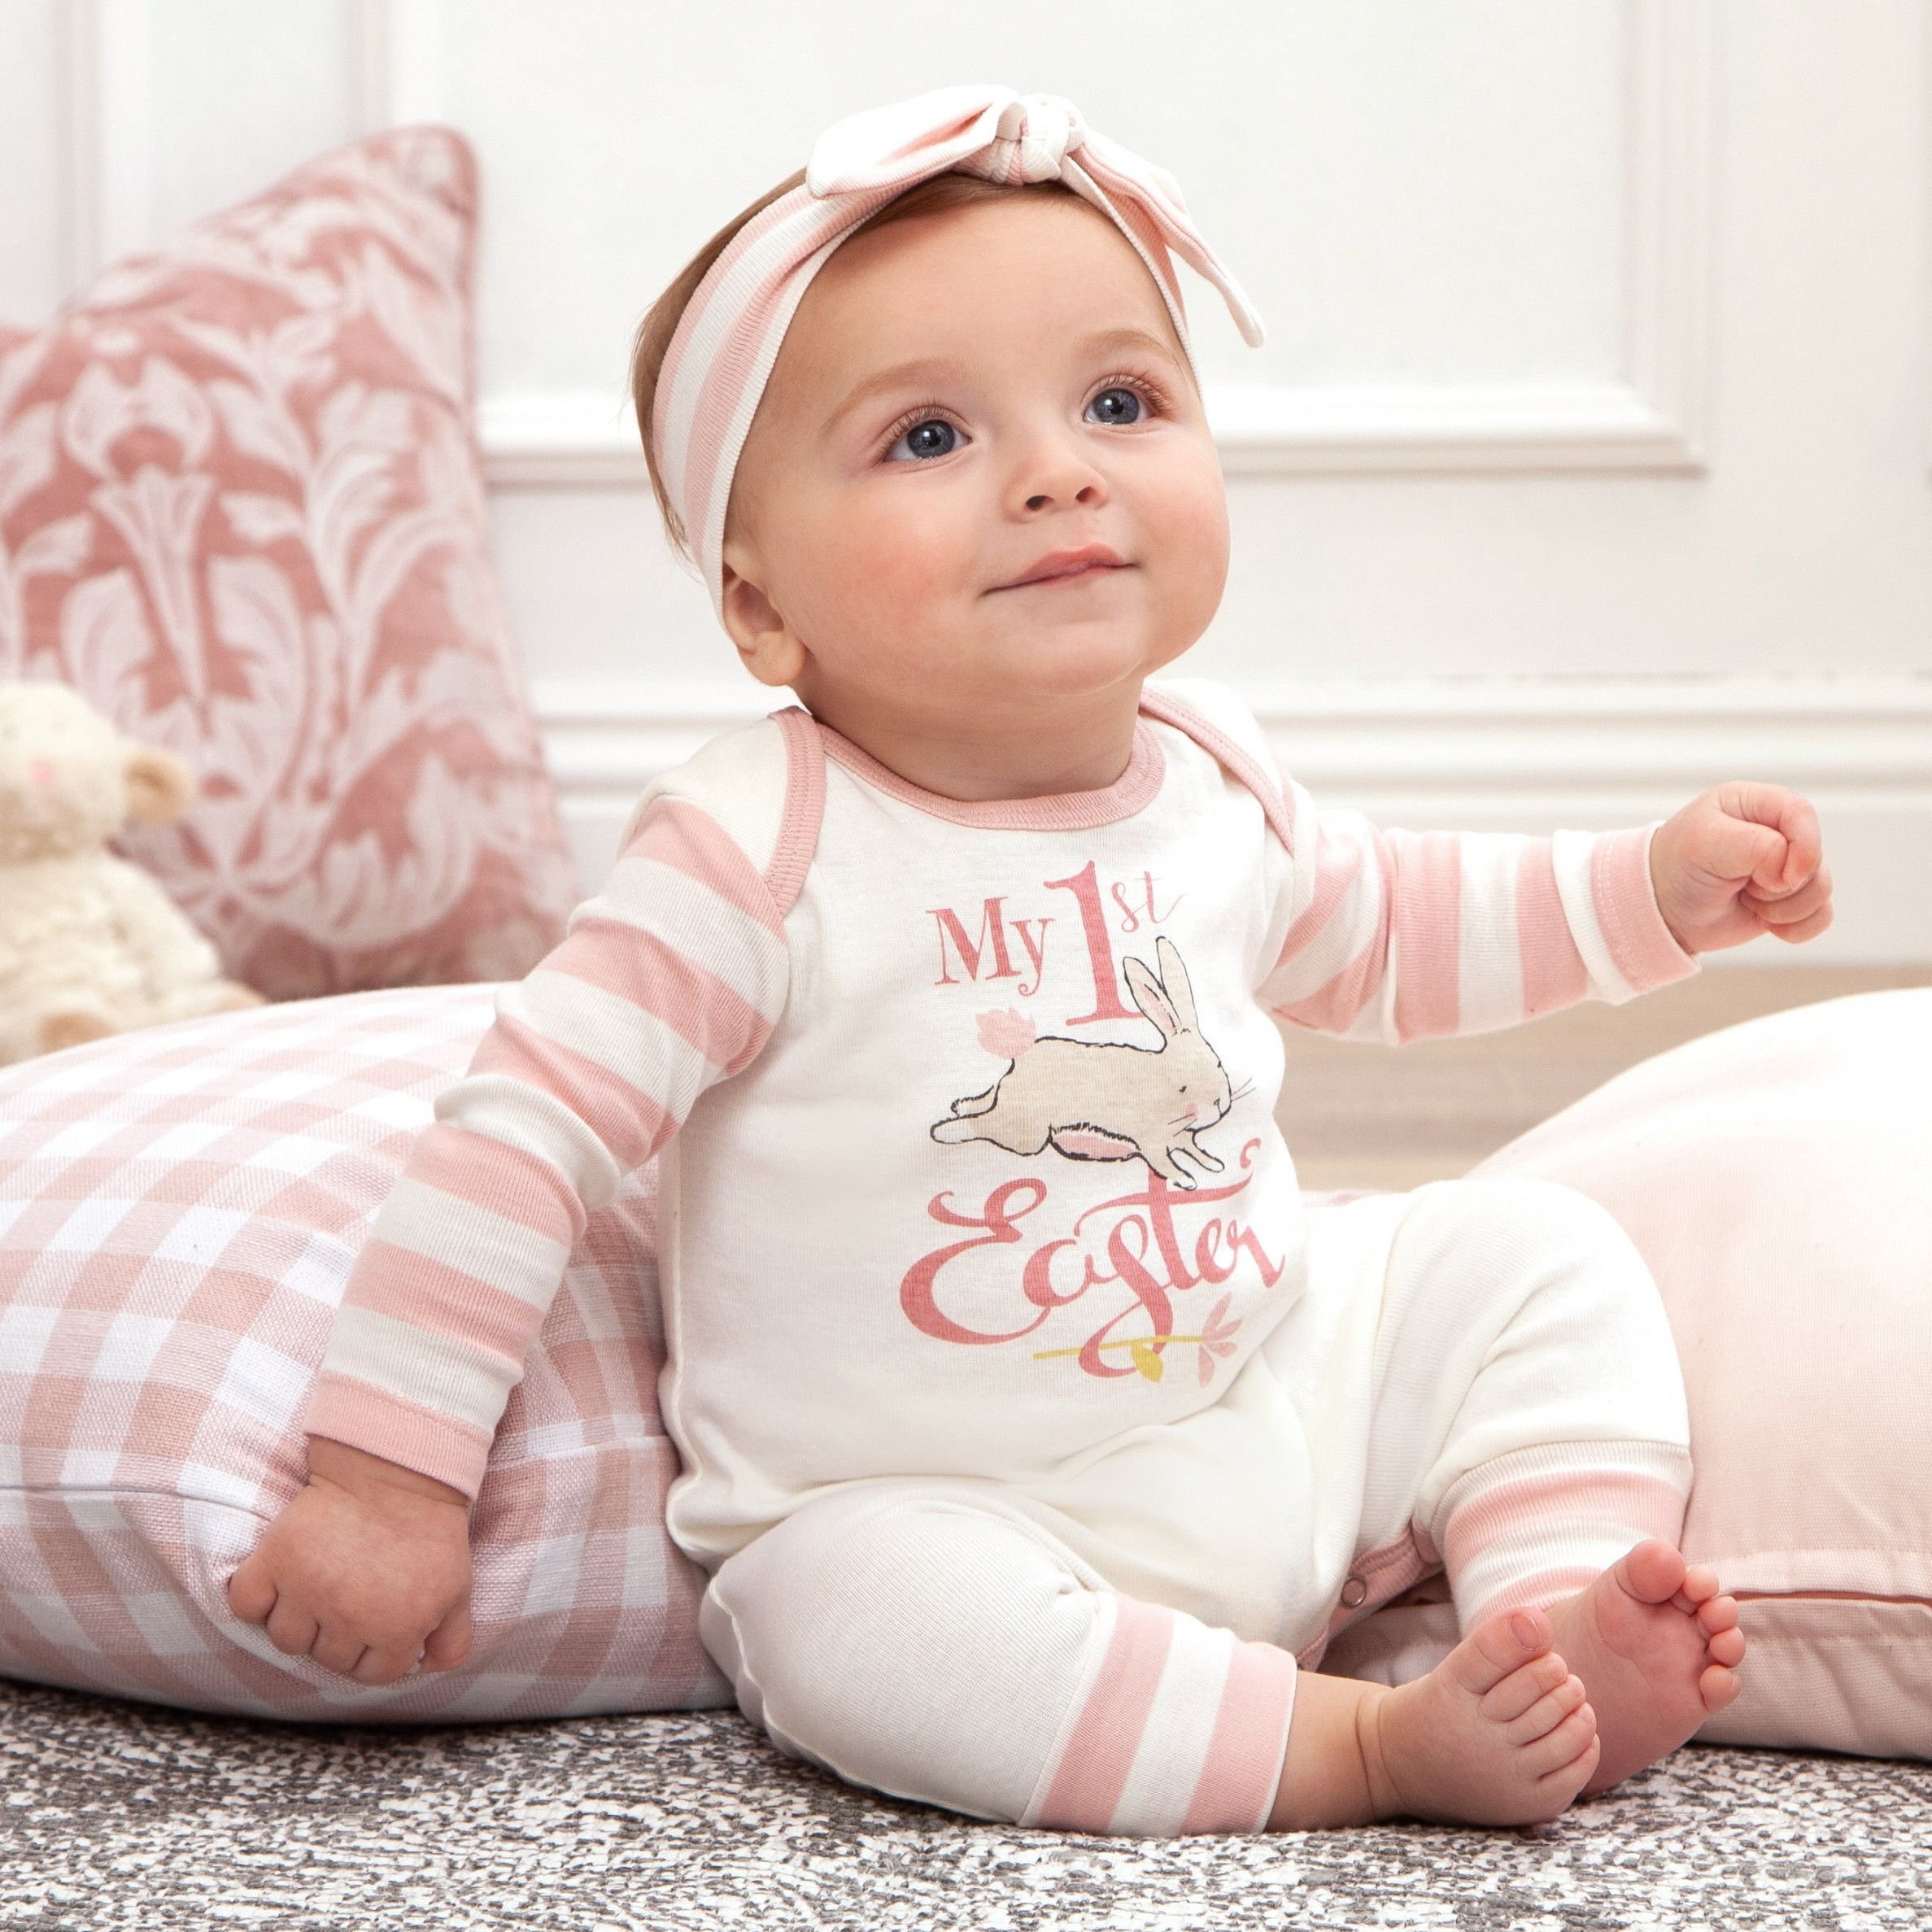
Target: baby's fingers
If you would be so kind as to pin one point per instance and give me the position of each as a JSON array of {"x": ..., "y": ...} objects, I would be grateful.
[
  {"x": 1805, "y": 929},
  {"x": 384, "y": 1662},
  {"x": 1803, "y": 915},
  {"x": 1791, "y": 909},
  {"x": 338, "y": 1649},
  {"x": 374, "y": 1655},
  {"x": 1777, "y": 873},
  {"x": 449, "y": 1642},
  {"x": 291, "y": 1629},
  {"x": 251, "y": 1590}
]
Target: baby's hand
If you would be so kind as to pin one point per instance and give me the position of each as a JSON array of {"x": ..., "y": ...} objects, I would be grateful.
[
  {"x": 1741, "y": 860},
  {"x": 367, "y": 1570}
]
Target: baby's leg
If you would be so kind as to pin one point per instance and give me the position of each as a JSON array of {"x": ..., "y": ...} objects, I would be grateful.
[
  {"x": 932, "y": 1642},
  {"x": 1525, "y": 1338}
]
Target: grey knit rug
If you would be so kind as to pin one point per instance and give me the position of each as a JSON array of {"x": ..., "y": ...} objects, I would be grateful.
[{"x": 126, "y": 1816}]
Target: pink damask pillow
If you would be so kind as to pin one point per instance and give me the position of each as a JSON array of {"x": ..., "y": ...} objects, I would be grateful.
[{"x": 241, "y": 510}]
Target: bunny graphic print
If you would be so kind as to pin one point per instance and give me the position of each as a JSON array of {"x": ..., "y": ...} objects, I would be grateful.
[
  {"x": 1004, "y": 1185},
  {"x": 1093, "y": 1101}
]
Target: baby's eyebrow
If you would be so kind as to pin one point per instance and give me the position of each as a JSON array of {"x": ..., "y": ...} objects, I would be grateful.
[
  {"x": 1138, "y": 341},
  {"x": 929, "y": 372}
]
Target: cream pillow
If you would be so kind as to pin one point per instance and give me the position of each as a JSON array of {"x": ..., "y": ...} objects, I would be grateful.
[{"x": 1778, "y": 1179}]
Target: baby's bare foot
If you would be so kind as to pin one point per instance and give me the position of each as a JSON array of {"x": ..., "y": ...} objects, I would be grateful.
[
  {"x": 1656, "y": 1648},
  {"x": 1497, "y": 1733}
]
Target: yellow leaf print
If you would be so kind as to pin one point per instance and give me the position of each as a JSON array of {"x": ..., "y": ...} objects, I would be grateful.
[{"x": 1146, "y": 1360}]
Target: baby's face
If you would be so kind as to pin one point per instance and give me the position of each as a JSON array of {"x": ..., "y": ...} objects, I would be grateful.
[{"x": 979, "y": 480}]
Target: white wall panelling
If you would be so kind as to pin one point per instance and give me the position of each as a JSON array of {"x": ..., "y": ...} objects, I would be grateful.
[
  {"x": 1482, "y": 755},
  {"x": 35, "y": 269},
  {"x": 1649, "y": 418},
  {"x": 399, "y": 47},
  {"x": 1588, "y": 467}
]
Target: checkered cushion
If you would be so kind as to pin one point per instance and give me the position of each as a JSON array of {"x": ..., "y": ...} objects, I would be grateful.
[{"x": 179, "y": 1210}]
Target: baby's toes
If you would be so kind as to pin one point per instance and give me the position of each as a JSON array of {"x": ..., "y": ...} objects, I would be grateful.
[
  {"x": 1718, "y": 1687},
  {"x": 1717, "y": 1613},
  {"x": 1727, "y": 1647},
  {"x": 1653, "y": 1572},
  {"x": 1497, "y": 1648},
  {"x": 1700, "y": 1586},
  {"x": 1521, "y": 1689},
  {"x": 1562, "y": 1744},
  {"x": 1555, "y": 1792},
  {"x": 1547, "y": 1712}
]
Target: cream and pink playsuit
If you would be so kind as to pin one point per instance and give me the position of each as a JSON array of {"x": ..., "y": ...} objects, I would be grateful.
[{"x": 1032, "y": 1424}]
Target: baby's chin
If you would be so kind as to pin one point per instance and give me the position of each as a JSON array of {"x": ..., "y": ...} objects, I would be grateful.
[{"x": 1067, "y": 655}]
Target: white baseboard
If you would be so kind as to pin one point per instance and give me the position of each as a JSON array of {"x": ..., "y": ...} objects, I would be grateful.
[{"x": 1482, "y": 754}]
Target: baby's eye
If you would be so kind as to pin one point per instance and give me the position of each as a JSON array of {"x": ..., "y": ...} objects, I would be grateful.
[
  {"x": 934, "y": 437},
  {"x": 1116, "y": 406}
]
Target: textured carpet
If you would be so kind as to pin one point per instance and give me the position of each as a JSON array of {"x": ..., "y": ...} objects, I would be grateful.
[{"x": 124, "y": 1816}]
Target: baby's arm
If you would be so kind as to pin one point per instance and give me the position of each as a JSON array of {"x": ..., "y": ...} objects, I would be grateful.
[
  {"x": 1401, "y": 936},
  {"x": 670, "y": 980}
]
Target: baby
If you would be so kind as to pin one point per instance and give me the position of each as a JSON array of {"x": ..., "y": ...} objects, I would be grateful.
[{"x": 1033, "y": 1432}]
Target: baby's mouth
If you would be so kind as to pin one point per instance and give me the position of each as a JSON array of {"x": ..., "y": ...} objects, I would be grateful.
[{"x": 1068, "y": 566}]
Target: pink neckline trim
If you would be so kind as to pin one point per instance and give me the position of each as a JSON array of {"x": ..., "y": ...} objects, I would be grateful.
[{"x": 1062, "y": 812}]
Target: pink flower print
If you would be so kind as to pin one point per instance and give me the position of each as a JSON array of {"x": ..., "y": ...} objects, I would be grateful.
[
  {"x": 1216, "y": 1338},
  {"x": 1006, "y": 1036}
]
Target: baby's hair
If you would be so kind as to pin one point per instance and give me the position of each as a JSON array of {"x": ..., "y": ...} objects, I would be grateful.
[{"x": 938, "y": 196}]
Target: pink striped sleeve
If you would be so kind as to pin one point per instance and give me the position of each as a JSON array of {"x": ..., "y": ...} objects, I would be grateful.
[
  {"x": 1554, "y": 975},
  {"x": 1398, "y": 936},
  {"x": 671, "y": 979}
]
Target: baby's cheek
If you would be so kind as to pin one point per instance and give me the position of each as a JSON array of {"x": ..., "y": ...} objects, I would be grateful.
[
  {"x": 875, "y": 570},
  {"x": 1188, "y": 532}
]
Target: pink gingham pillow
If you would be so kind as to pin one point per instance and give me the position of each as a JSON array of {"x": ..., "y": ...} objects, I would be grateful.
[
  {"x": 241, "y": 511},
  {"x": 179, "y": 1209}
]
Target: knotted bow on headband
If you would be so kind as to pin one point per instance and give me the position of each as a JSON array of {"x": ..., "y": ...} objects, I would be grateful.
[{"x": 722, "y": 353}]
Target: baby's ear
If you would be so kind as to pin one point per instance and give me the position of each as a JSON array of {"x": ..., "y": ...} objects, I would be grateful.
[
  {"x": 160, "y": 786},
  {"x": 765, "y": 642}
]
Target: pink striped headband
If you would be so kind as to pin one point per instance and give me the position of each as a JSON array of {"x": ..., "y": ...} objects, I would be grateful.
[{"x": 722, "y": 355}]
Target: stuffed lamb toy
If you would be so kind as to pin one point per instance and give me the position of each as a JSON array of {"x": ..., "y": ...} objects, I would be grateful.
[{"x": 89, "y": 945}]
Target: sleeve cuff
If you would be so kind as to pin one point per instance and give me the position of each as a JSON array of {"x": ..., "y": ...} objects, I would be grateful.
[
  {"x": 1641, "y": 946},
  {"x": 385, "y": 1425},
  {"x": 1604, "y": 880}
]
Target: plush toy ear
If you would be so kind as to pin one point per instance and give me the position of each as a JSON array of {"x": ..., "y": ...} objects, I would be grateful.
[{"x": 160, "y": 786}]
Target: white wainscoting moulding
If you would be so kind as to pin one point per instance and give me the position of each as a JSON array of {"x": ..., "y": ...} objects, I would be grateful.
[
  {"x": 396, "y": 48},
  {"x": 108, "y": 110},
  {"x": 1531, "y": 746},
  {"x": 1481, "y": 754},
  {"x": 1650, "y": 420}
]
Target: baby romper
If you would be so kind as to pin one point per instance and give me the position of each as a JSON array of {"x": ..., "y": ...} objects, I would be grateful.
[{"x": 1030, "y": 1426}]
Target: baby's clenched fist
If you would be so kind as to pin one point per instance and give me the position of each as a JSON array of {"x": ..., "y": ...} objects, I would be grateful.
[
  {"x": 368, "y": 1571},
  {"x": 1742, "y": 859}
]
